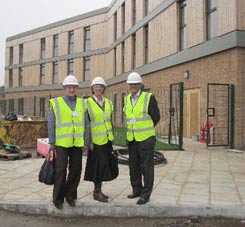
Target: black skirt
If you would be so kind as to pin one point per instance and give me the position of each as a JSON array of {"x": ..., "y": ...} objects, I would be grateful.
[{"x": 100, "y": 164}]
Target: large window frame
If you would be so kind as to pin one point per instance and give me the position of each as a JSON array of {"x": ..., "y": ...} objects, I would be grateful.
[
  {"x": 87, "y": 38},
  {"x": 21, "y": 106},
  {"x": 211, "y": 19},
  {"x": 133, "y": 51},
  {"x": 183, "y": 25},
  {"x": 11, "y": 55},
  {"x": 20, "y": 77},
  {"x": 56, "y": 45},
  {"x": 42, "y": 107},
  {"x": 71, "y": 42},
  {"x": 86, "y": 67},
  {"x": 21, "y": 53},
  {"x": 55, "y": 78},
  {"x": 42, "y": 74},
  {"x": 43, "y": 47},
  {"x": 10, "y": 78},
  {"x": 70, "y": 66}
]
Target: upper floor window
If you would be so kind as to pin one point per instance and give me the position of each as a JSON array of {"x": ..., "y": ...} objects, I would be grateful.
[
  {"x": 42, "y": 73},
  {"x": 146, "y": 7},
  {"x": 183, "y": 27},
  {"x": 133, "y": 50},
  {"x": 11, "y": 55},
  {"x": 87, "y": 44},
  {"x": 20, "y": 77},
  {"x": 56, "y": 45},
  {"x": 146, "y": 44},
  {"x": 123, "y": 18},
  {"x": 133, "y": 12},
  {"x": 123, "y": 56},
  {"x": 11, "y": 78},
  {"x": 21, "y": 53},
  {"x": 86, "y": 69},
  {"x": 115, "y": 26},
  {"x": 43, "y": 48},
  {"x": 70, "y": 66},
  {"x": 71, "y": 42},
  {"x": 55, "y": 73},
  {"x": 21, "y": 106},
  {"x": 115, "y": 61},
  {"x": 211, "y": 19}
]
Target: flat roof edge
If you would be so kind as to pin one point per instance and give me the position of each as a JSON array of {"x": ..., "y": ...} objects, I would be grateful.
[{"x": 59, "y": 23}]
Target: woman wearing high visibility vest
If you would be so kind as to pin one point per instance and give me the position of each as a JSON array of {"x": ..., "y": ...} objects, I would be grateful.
[
  {"x": 142, "y": 114},
  {"x": 66, "y": 130},
  {"x": 98, "y": 167}
]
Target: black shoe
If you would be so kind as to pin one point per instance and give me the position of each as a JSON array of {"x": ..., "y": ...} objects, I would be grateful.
[
  {"x": 58, "y": 205},
  {"x": 71, "y": 202},
  {"x": 142, "y": 201},
  {"x": 133, "y": 195}
]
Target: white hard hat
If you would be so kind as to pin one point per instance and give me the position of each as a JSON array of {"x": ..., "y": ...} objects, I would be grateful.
[
  {"x": 134, "y": 78},
  {"x": 98, "y": 80},
  {"x": 70, "y": 80}
]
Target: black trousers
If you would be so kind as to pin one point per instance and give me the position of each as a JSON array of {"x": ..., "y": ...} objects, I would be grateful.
[
  {"x": 66, "y": 186},
  {"x": 141, "y": 164}
]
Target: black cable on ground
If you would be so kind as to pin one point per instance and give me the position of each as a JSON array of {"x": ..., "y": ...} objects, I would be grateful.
[{"x": 123, "y": 156}]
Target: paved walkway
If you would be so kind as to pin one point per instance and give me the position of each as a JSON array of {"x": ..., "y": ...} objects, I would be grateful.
[{"x": 194, "y": 182}]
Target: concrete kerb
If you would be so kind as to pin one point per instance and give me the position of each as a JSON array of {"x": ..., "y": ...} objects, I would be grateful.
[{"x": 119, "y": 210}]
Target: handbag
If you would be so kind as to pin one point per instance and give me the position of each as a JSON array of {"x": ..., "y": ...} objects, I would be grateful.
[
  {"x": 113, "y": 162},
  {"x": 47, "y": 171}
]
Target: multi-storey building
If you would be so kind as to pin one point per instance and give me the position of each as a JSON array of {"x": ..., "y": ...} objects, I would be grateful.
[{"x": 197, "y": 42}]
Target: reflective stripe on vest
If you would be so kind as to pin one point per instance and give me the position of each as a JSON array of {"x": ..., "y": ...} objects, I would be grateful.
[
  {"x": 139, "y": 123},
  {"x": 69, "y": 129},
  {"x": 100, "y": 121}
]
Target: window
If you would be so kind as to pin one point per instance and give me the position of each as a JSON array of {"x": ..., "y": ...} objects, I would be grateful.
[
  {"x": 133, "y": 51},
  {"x": 42, "y": 107},
  {"x": 86, "y": 73},
  {"x": 43, "y": 48},
  {"x": 11, "y": 55},
  {"x": 115, "y": 61},
  {"x": 183, "y": 28},
  {"x": 11, "y": 105},
  {"x": 146, "y": 7},
  {"x": 56, "y": 45},
  {"x": 71, "y": 42},
  {"x": 21, "y": 106},
  {"x": 133, "y": 12},
  {"x": 123, "y": 56},
  {"x": 123, "y": 18},
  {"x": 21, "y": 53},
  {"x": 42, "y": 73},
  {"x": 211, "y": 19},
  {"x": 146, "y": 44},
  {"x": 115, "y": 26},
  {"x": 115, "y": 109},
  {"x": 20, "y": 77},
  {"x": 55, "y": 73},
  {"x": 87, "y": 44},
  {"x": 11, "y": 78},
  {"x": 70, "y": 66}
]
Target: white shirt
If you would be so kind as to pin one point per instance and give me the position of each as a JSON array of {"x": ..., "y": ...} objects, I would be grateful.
[
  {"x": 135, "y": 98},
  {"x": 100, "y": 102}
]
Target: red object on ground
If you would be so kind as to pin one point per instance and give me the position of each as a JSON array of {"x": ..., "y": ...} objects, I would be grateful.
[
  {"x": 43, "y": 146},
  {"x": 205, "y": 132}
]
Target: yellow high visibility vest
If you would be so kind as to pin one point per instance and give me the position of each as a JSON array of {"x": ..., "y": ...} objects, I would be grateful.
[
  {"x": 100, "y": 121},
  {"x": 69, "y": 124},
  {"x": 139, "y": 123}
]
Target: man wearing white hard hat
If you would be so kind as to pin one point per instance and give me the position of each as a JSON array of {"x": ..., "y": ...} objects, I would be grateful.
[
  {"x": 99, "y": 167},
  {"x": 142, "y": 115},
  {"x": 66, "y": 130}
]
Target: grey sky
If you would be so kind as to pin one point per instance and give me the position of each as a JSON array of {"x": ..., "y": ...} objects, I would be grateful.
[{"x": 19, "y": 16}]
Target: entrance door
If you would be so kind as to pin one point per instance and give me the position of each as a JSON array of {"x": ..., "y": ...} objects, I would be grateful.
[{"x": 191, "y": 112}]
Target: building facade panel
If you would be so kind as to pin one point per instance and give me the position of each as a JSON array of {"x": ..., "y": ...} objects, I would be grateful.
[
  {"x": 79, "y": 40},
  {"x": 128, "y": 14},
  {"x": 140, "y": 47},
  {"x": 63, "y": 44},
  {"x": 163, "y": 32},
  {"x": 29, "y": 54},
  {"x": 98, "y": 62},
  {"x": 154, "y": 3},
  {"x": 227, "y": 16},
  {"x": 196, "y": 32},
  {"x": 128, "y": 54},
  {"x": 31, "y": 76},
  {"x": 240, "y": 14},
  {"x": 100, "y": 36}
]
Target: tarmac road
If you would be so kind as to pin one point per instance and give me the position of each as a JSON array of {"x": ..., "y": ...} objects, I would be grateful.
[{"x": 9, "y": 219}]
